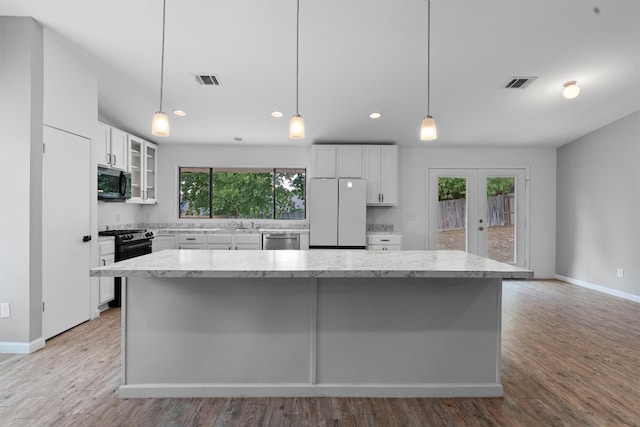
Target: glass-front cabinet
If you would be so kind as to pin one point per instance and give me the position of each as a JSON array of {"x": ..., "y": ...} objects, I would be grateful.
[{"x": 144, "y": 162}]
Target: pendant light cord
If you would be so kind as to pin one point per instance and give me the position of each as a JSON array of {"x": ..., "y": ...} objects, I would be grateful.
[
  {"x": 297, "y": 52},
  {"x": 164, "y": 8},
  {"x": 428, "y": 56}
]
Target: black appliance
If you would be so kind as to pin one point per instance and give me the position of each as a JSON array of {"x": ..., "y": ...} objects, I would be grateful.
[
  {"x": 113, "y": 185},
  {"x": 128, "y": 244}
]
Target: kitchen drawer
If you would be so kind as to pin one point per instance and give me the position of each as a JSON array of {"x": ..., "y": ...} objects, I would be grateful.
[
  {"x": 224, "y": 239},
  {"x": 191, "y": 238},
  {"x": 384, "y": 239},
  {"x": 248, "y": 238}
]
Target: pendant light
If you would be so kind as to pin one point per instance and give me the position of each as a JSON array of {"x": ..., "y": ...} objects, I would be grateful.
[
  {"x": 428, "y": 130},
  {"x": 296, "y": 127},
  {"x": 160, "y": 123}
]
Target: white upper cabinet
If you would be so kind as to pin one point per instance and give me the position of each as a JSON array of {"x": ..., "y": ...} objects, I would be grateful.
[
  {"x": 112, "y": 147},
  {"x": 144, "y": 163},
  {"x": 381, "y": 173},
  {"x": 323, "y": 158},
  {"x": 336, "y": 161},
  {"x": 349, "y": 161}
]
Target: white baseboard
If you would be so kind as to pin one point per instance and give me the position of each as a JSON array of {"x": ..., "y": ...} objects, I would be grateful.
[
  {"x": 309, "y": 390},
  {"x": 22, "y": 347},
  {"x": 599, "y": 288}
]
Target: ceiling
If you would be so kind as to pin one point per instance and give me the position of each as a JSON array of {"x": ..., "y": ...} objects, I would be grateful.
[{"x": 356, "y": 57}]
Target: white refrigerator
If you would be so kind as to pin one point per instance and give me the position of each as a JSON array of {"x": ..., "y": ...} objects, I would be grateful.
[{"x": 337, "y": 213}]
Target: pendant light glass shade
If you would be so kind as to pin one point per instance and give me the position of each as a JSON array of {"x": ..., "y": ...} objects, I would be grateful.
[
  {"x": 428, "y": 131},
  {"x": 160, "y": 124},
  {"x": 296, "y": 127}
]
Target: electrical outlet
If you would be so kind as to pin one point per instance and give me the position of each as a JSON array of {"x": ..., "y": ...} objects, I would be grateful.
[
  {"x": 5, "y": 310},
  {"x": 621, "y": 272}
]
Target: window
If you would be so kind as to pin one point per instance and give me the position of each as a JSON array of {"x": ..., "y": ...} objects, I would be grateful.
[{"x": 260, "y": 193}]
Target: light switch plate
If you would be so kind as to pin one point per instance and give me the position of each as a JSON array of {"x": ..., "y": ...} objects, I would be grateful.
[{"x": 5, "y": 310}]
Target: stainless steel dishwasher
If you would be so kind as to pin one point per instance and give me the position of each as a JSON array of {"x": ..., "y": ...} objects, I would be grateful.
[{"x": 279, "y": 241}]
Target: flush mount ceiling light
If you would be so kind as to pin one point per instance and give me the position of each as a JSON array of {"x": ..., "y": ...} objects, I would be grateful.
[
  {"x": 375, "y": 115},
  {"x": 160, "y": 123},
  {"x": 296, "y": 126},
  {"x": 428, "y": 130},
  {"x": 571, "y": 89},
  {"x": 276, "y": 114},
  {"x": 179, "y": 113}
]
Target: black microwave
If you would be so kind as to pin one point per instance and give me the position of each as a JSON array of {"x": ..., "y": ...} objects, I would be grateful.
[{"x": 113, "y": 184}]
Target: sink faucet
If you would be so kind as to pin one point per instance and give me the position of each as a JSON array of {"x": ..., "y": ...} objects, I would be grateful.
[{"x": 252, "y": 226}]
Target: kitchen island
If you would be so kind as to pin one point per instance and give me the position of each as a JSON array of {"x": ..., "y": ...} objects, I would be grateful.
[{"x": 200, "y": 323}]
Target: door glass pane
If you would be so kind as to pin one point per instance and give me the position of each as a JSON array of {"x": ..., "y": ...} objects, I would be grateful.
[
  {"x": 501, "y": 219},
  {"x": 452, "y": 213}
]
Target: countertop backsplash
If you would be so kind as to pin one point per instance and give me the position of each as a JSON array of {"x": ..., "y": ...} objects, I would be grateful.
[{"x": 387, "y": 228}]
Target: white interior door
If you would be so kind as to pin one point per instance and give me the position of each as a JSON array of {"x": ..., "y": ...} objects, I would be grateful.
[
  {"x": 480, "y": 211},
  {"x": 66, "y": 221}
]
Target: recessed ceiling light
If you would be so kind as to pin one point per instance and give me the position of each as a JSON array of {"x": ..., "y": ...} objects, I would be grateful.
[
  {"x": 179, "y": 113},
  {"x": 571, "y": 89},
  {"x": 276, "y": 114},
  {"x": 375, "y": 115}
]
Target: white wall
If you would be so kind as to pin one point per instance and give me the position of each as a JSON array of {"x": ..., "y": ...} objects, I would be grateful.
[
  {"x": 21, "y": 89},
  {"x": 599, "y": 207},
  {"x": 170, "y": 157}
]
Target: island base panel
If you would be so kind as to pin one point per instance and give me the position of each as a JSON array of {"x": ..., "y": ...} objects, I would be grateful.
[{"x": 377, "y": 337}]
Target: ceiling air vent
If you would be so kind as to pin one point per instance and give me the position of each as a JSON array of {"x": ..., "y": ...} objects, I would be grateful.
[
  {"x": 208, "y": 80},
  {"x": 520, "y": 82}
]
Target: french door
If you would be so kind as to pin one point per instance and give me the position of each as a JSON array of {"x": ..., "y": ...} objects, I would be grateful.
[{"x": 480, "y": 211}]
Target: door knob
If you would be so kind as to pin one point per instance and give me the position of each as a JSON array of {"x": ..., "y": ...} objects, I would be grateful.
[
  {"x": 480, "y": 228},
  {"x": 86, "y": 238}
]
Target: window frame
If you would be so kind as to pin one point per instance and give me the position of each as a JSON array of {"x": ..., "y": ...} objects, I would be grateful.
[{"x": 221, "y": 169}]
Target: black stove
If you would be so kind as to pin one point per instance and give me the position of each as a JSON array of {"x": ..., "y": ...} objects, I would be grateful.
[{"x": 128, "y": 244}]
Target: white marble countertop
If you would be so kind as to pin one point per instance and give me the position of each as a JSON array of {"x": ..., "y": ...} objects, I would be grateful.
[
  {"x": 161, "y": 231},
  {"x": 309, "y": 264}
]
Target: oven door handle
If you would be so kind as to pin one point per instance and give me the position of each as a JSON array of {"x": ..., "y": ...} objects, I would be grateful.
[{"x": 135, "y": 248}]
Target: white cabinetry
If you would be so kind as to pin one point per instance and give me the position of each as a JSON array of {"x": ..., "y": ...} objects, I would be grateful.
[
  {"x": 191, "y": 241},
  {"x": 234, "y": 242},
  {"x": 349, "y": 159},
  {"x": 225, "y": 242},
  {"x": 336, "y": 161},
  {"x": 323, "y": 158},
  {"x": 163, "y": 241},
  {"x": 144, "y": 161},
  {"x": 384, "y": 242},
  {"x": 247, "y": 242},
  {"x": 106, "y": 252},
  {"x": 112, "y": 147},
  {"x": 381, "y": 173}
]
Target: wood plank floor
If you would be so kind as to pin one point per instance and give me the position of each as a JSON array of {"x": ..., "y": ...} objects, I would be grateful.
[{"x": 571, "y": 357}]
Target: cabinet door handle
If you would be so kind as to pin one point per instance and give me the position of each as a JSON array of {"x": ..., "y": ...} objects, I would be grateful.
[
  {"x": 384, "y": 240},
  {"x": 382, "y": 197},
  {"x": 115, "y": 160},
  {"x": 191, "y": 238},
  {"x": 104, "y": 262}
]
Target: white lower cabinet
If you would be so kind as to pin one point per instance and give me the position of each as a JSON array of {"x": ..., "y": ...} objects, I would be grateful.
[
  {"x": 106, "y": 252},
  {"x": 163, "y": 241},
  {"x": 384, "y": 242},
  {"x": 222, "y": 242},
  {"x": 191, "y": 241},
  {"x": 247, "y": 242}
]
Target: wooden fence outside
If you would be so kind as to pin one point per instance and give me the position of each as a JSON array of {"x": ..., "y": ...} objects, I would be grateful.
[{"x": 500, "y": 211}]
